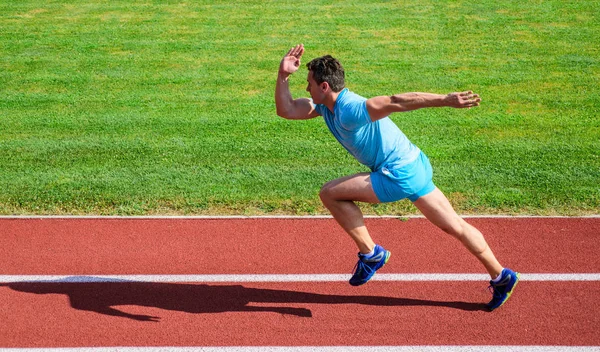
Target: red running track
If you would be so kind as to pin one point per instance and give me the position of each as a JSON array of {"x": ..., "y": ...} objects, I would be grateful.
[{"x": 48, "y": 314}]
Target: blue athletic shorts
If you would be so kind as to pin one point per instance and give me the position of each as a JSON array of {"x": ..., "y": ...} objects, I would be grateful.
[{"x": 410, "y": 181}]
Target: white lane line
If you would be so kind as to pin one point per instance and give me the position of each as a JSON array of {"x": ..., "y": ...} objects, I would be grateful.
[
  {"x": 318, "y": 349},
  {"x": 286, "y": 278}
]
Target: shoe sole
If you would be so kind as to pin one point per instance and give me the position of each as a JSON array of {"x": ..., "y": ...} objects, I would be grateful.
[
  {"x": 509, "y": 293},
  {"x": 387, "y": 258}
]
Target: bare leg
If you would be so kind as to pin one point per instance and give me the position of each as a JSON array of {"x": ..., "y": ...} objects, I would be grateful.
[
  {"x": 339, "y": 196},
  {"x": 437, "y": 209}
]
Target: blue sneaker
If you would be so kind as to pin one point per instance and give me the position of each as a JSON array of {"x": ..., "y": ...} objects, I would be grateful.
[
  {"x": 366, "y": 267},
  {"x": 502, "y": 290}
]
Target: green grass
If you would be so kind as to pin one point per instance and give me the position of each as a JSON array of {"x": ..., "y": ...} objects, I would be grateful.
[{"x": 148, "y": 107}]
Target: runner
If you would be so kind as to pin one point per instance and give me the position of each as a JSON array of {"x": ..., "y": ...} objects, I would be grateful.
[{"x": 399, "y": 169}]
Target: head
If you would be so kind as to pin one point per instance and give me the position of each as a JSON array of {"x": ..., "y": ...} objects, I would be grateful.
[{"x": 325, "y": 75}]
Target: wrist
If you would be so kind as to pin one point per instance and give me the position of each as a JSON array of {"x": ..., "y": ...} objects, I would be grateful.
[
  {"x": 447, "y": 100},
  {"x": 283, "y": 75}
]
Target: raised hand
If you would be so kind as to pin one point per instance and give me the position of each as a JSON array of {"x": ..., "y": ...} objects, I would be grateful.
[
  {"x": 463, "y": 100},
  {"x": 291, "y": 61}
]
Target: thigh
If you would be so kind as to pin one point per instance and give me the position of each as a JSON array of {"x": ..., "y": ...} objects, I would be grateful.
[
  {"x": 437, "y": 209},
  {"x": 356, "y": 187}
]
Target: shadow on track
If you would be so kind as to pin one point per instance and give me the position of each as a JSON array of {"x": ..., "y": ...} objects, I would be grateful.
[{"x": 102, "y": 295}]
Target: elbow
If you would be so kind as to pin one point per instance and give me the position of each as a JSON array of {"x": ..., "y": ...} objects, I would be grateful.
[{"x": 282, "y": 113}]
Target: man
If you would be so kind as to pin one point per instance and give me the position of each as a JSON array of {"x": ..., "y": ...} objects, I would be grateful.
[{"x": 398, "y": 168}]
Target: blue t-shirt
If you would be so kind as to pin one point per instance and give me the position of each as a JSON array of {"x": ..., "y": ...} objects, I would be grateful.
[{"x": 374, "y": 144}]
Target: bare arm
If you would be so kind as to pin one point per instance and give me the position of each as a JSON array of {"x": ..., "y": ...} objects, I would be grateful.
[
  {"x": 382, "y": 106},
  {"x": 287, "y": 106}
]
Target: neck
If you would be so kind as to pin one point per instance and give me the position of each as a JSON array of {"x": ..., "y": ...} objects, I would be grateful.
[{"x": 330, "y": 100}]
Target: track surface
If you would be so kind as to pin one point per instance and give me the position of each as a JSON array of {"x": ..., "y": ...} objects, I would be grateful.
[{"x": 381, "y": 313}]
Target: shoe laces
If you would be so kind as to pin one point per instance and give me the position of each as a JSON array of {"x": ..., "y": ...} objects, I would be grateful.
[
  {"x": 362, "y": 267},
  {"x": 494, "y": 290}
]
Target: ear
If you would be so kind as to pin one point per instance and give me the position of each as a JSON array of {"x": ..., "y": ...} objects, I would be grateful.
[{"x": 324, "y": 87}]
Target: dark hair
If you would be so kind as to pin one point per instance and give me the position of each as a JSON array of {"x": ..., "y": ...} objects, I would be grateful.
[{"x": 327, "y": 69}]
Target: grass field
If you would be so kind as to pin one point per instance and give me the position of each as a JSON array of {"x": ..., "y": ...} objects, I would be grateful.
[{"x": 166, "y": 107}]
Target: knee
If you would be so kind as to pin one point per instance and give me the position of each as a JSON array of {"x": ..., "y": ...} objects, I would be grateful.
[
  {"x": 326, "y": 193},
  {"x": 456, "y": 227}
]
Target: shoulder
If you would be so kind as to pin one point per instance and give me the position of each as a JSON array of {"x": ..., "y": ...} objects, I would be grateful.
[
  {"x": 349, "y": 97},
  {"x": 352, "y": 109},
  {"x": 349, "y": 101}
]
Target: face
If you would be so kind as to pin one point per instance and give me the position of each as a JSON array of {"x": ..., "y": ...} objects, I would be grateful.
[{"x": 317, "y": 91}]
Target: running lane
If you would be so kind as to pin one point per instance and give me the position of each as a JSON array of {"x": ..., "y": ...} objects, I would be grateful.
[{"x": 123, "y": 313}]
